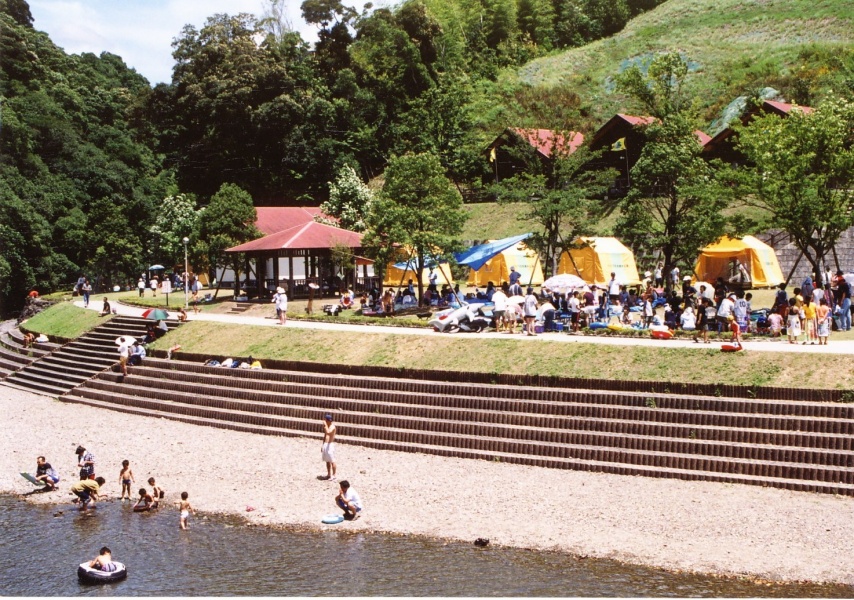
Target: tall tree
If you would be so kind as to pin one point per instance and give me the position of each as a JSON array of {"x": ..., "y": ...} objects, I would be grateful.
[
  {"x": 417, "y": 208},
  {"x": 674, "y": 206},
  {"x": 228, "y": 221},
  {"x": 558, "y": 196},
  {"x": 802, "y": 173}
]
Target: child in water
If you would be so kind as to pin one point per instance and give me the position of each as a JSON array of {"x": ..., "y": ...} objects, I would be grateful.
[
  {"x": 186, "y": 508},
  {"x": 156, "y": 492},
  {"x": 145, "y": 502},
  {"x": 125, "y": 479}
]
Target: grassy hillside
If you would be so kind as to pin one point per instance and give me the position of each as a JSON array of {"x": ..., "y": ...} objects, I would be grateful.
[{"x": 800, "y": 48}]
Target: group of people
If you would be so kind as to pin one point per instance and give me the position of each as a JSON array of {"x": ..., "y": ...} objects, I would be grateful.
[
  {"x": 808, "y": 315},
  {"x": 88, "y": 488}
]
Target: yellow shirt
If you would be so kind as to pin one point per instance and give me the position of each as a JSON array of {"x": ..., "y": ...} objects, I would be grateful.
[{"x": 809, "y": 311}]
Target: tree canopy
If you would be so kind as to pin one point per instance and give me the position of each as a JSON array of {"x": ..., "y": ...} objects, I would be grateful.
[{"x": 802, "y": 173}]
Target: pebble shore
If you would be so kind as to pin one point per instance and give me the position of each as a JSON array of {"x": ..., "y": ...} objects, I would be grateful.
[{"x": 723, "y": 529}]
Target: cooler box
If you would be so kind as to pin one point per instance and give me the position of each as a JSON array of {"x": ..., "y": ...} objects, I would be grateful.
[
  {"x": 538, "y": 328},
  {"x": 557, "y": 326}
]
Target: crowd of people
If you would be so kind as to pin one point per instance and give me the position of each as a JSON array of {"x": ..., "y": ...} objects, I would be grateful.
[{"x": 807, "y": 316}]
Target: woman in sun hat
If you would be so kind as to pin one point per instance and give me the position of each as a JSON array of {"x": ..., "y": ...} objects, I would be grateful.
[{"x": 280, "y": 299}]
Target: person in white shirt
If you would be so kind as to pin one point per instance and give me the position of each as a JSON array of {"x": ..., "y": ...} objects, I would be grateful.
[
  {"x": 724, "y": 311},
  {"x": 348, "y": 501},
  {"x": 688, "y": 320},
  {"x": 124, "y": 354},
  {"x": 499, "y": 298},
  {"x": 614, "y": 289},
  {"x": 530, "y": 311}
]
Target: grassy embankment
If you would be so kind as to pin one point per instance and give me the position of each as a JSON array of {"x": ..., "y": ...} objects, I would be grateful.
[
  {"x": 470, "y": 353},
  {"x": 733, "y": 46},
  {"x": 64, "y": 320}
]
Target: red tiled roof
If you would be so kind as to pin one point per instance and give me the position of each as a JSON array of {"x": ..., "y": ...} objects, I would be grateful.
[
  {"x": 311, "y": 235},
  {"x": 271, "y": 219},
  {"x": 636, "y": 120},
  {"x": 702, "y": 137},
  {"x": 786, "y": 108},
  {"x": 544, "y": 141}
]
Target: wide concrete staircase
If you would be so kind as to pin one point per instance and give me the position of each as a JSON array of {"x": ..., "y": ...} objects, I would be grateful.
[
  {"x": 797, "y": 445},
  {"x": 56, "y": 372}
]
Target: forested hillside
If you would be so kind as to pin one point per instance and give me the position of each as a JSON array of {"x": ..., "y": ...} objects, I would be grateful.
[{"x": 103, "y": 175}]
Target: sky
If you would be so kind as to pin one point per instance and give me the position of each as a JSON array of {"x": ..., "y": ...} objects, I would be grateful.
[{"x": 140, "y": 31}]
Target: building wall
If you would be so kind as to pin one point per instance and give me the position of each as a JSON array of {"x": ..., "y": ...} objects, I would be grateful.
[{"x": 788, "y": 253}]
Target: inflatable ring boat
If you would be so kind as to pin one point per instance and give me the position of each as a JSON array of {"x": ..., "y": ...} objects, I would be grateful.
[
  {"x": 660, "y": 332},
  {"x": 87, "y": 574}
]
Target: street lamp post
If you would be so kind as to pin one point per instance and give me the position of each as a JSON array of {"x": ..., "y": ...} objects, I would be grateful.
[{"x": 186, "y": 276}]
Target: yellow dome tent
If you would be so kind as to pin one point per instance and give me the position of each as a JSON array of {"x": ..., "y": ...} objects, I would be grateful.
[
  {"x": 497, "y": 269},
  {"x": 722, "y": 259},
  {"x": 399, "y": 274},
  {"x": 596, "y": 258}
]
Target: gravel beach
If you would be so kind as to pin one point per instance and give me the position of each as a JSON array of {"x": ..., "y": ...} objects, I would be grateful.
[{"x": 679, "y": 525}]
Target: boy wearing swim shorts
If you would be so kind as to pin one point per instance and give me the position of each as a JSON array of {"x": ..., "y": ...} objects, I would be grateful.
[{"x": 125, "y": 479}]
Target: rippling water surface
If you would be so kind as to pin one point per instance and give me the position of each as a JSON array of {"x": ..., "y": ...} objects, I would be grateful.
[{"x": 39, "y": 554}]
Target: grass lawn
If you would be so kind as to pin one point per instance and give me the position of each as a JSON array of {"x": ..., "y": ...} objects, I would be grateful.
[
  {"x": 470, "y": 353},
  {"x": 64, "y": 320}
]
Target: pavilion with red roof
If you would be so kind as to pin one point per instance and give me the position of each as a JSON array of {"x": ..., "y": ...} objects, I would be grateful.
[{"x": 297, "y": 255}]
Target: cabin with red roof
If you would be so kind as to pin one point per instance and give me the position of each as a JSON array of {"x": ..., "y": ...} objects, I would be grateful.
[
  {"x": 722, "y": 145},
  {"x": 510, "y": 153}
]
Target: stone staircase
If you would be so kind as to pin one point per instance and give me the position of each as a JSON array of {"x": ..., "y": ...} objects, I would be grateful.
[
  {"x": 791, "y": 444},
  {"x": 14, "y": 355},
  {"x": 56, "y": 372}
]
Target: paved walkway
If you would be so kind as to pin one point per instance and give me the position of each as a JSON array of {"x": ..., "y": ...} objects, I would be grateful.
[{"x": 765, "y": 345}]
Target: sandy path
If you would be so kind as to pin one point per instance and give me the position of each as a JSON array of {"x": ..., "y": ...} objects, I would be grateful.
[{"x": 708, "y": 527}]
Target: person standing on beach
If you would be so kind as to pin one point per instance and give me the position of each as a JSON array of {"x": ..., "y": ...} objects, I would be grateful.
[
  {"x": 86, "y": 462},
  {"x": 327, "y": 449}
]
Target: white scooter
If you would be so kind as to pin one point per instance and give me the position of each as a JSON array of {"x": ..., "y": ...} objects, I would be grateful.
[{"x": 467, "y": 318}]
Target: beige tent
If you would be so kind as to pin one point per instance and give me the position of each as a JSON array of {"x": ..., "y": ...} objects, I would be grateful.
[
  {"x": 396, "y": 277},
  {"x": 595, "y": 258},
  {"x": 497, "y": 269},
  {"x": 722, "y": 259}
]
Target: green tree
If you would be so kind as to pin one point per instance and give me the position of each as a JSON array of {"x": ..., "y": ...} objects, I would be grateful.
[
  {"x": 558, "y": 196},
  {"x": 417, "y": 208},
  {"x": 176, "y": 219},
  {"x": 802, "y": 173},
  {"x": 228, "y": 221},
  {"x": 674, "y": 206},
  {"x": 350, "y": 200}
]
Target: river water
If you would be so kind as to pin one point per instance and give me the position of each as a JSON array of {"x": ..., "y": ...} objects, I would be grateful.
[{"x": 42, "y": 545}]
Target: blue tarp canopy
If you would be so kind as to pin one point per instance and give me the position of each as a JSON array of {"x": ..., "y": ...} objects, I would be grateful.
[{"x": 477, "y": 256}]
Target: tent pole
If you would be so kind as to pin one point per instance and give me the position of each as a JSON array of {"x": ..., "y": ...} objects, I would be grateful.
[
  {"x": 448, "y": 279},
  {"x": 534, "y": 268}
]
